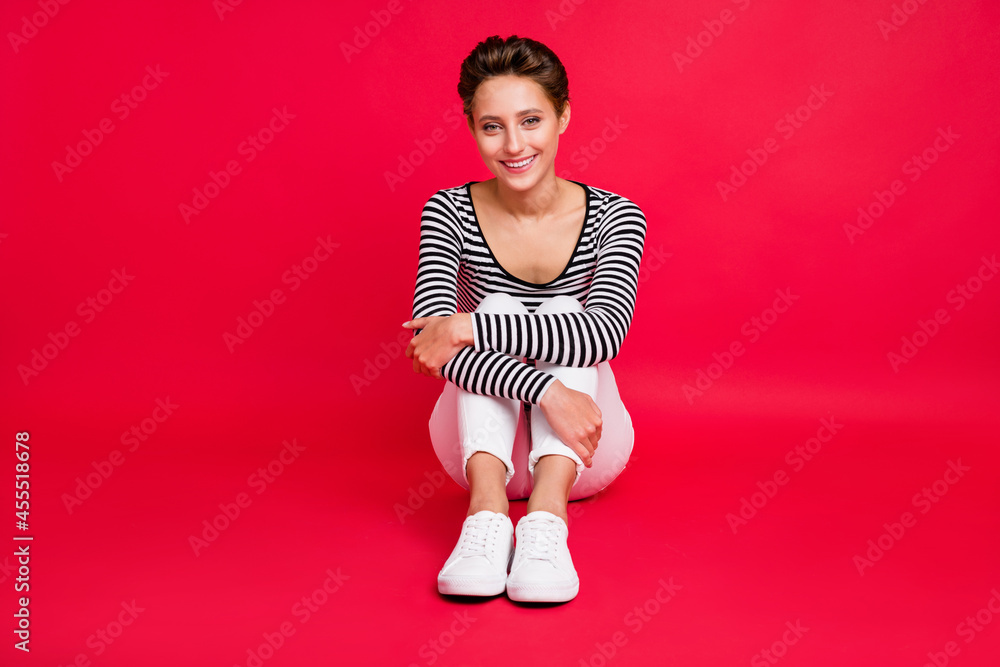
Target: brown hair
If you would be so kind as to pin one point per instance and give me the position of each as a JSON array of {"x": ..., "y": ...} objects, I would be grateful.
[{"x": 518, "y": 56}]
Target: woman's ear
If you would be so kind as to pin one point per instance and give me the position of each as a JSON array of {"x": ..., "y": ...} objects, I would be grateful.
[{"x": 564, "y": 119}]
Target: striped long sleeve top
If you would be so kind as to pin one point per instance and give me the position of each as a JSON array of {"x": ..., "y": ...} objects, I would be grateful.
[{"x": 457, "y": 269}]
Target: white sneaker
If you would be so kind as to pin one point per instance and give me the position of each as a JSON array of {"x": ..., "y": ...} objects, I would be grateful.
[
  {"x": 543, "y": 569},
  {"x": 478, "y": 563}
]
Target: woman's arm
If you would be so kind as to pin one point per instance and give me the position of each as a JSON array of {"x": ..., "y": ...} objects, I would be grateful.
[
  {"x": 573, "y": 415},
  {"x": 487, "y": 372},
  {"x": 595, "y": 335}
]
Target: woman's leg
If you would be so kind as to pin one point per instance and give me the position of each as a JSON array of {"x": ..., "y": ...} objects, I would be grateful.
[
  {"x": 447, "y": 442},
  {"x": 542, "y": 569},
  {"x": 562, "y": 475},
  {"x": 617, "y": 437},
  {"x": 614, "y": 449},
  {"x": 482, "y": 434},
  {"x": 478, "y": 438}
]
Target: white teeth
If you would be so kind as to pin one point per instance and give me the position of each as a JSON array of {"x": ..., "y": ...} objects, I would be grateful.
[{"x": 517, "y": 165}]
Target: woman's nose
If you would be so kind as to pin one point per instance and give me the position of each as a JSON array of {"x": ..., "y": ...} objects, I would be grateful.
[{"x": 514, "y": 143}]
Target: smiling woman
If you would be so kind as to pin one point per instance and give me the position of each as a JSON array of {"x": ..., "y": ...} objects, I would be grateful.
[{"x": 545, "y": 273}]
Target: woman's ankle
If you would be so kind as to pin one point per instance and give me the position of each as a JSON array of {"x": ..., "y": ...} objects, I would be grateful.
[
  {"x": 491, "y": 504},
  {"x": 550, "y": 505}
]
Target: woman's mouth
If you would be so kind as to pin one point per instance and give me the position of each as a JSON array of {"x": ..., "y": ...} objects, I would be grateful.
[{"x": 519, "y": 166}]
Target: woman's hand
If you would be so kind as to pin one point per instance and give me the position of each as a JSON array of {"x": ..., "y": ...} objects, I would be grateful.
[
  {"x": 575, "y": 419},
  {"x": 439, "y": 340}
]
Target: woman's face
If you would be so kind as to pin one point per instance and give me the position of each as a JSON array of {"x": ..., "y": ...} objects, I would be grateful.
[{"x": 512, "y": 121}]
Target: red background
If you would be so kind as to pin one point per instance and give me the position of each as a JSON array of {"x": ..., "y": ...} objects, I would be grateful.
[{"x": 355, "y": 500}]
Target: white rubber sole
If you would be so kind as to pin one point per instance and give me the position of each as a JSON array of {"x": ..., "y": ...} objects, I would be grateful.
[
  {"x": 471, "y": 586},
  {"x": 543, "y": 592}
]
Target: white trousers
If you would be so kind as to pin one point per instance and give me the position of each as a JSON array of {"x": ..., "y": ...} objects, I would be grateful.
[{"x": 517, "y": 433}]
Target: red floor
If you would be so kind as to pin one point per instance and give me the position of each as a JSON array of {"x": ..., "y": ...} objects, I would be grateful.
[{"x": 332, "y": 557}]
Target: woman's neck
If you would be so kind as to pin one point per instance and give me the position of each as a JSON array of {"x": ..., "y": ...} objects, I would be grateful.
[{"x": 540, "y": 202}]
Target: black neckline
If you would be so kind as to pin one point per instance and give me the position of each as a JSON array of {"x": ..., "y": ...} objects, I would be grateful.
[{"x": 583, "y": 227}]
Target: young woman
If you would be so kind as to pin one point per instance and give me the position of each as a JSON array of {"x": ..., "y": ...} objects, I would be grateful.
[{"x": 525, "y": 289}]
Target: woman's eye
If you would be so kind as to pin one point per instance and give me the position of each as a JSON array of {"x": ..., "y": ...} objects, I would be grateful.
[{"x": 493, "y": 126}]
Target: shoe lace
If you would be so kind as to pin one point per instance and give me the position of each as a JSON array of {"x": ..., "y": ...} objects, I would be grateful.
[
  {"x": 478, "y": 533},
  {"x": 539, "y": 540}
]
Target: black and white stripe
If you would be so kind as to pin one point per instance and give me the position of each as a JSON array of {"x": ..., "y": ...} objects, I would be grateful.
[{"x": 456, "y": 270}]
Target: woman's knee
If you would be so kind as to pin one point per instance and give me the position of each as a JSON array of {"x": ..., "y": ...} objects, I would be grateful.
[
  {"x": 500, "y": 303},
  {"x": 581, "y": 378},
  {"x": 608, "y": 465},
  {"x": 559, "y": 304}
]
